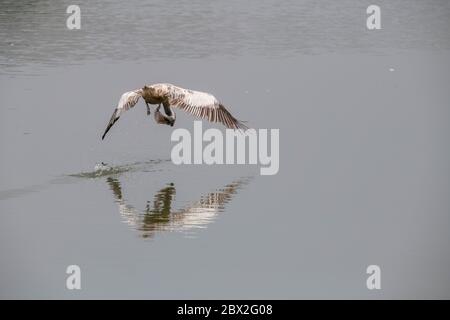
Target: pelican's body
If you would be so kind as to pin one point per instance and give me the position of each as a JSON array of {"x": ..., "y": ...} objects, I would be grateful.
[{"x": 197, "y": 103}]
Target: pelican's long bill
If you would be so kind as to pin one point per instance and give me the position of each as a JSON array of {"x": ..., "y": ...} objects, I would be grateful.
[{"x": 113, "y": 120}]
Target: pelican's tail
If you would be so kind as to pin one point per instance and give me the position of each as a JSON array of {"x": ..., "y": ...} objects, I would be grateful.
[{"x": 115, "y": 116}]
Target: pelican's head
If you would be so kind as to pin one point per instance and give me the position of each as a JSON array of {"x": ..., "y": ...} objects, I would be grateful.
[{"x": 163, "y": 119}]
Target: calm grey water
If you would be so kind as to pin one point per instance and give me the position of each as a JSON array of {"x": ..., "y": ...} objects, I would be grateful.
[{"x": 364, "y": 176}]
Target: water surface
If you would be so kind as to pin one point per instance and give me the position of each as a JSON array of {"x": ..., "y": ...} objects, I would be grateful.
[{"x": 364, "y": 161}]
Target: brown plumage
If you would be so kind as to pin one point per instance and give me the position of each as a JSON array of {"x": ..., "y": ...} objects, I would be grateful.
[{"x": 200, "y": 104}]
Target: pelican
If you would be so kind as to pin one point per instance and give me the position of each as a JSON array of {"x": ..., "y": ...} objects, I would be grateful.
[{"x": 200, "y": 104}]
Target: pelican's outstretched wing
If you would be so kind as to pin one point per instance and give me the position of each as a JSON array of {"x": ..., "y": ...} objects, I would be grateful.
[
  {"x": 202, "y": 105},
  {"x": 127, "y": 101}
]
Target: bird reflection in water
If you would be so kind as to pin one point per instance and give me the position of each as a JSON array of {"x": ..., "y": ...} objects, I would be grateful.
[{"x": 159, "y": 216}]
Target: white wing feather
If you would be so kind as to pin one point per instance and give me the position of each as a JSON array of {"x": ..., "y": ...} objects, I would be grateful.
[
  {"x": 202, "y": 105},
  {"x": 128, "y": 100}
]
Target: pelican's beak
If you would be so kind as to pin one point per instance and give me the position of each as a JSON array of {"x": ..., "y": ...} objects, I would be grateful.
[{"x": 113, "y": 120}]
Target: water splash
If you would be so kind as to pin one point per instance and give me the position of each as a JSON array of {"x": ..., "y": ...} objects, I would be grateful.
[
  {"x": 100, "y": 170},
  {"x": 103, "y": 169}
]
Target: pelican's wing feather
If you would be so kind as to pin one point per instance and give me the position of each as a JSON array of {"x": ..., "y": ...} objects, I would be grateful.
[
  {"x": 127, "y": 101},
  {"x": 202, "y": 105}
]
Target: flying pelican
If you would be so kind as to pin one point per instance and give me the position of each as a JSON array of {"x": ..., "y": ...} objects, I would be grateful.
[{"x": 199, "y": 104}]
